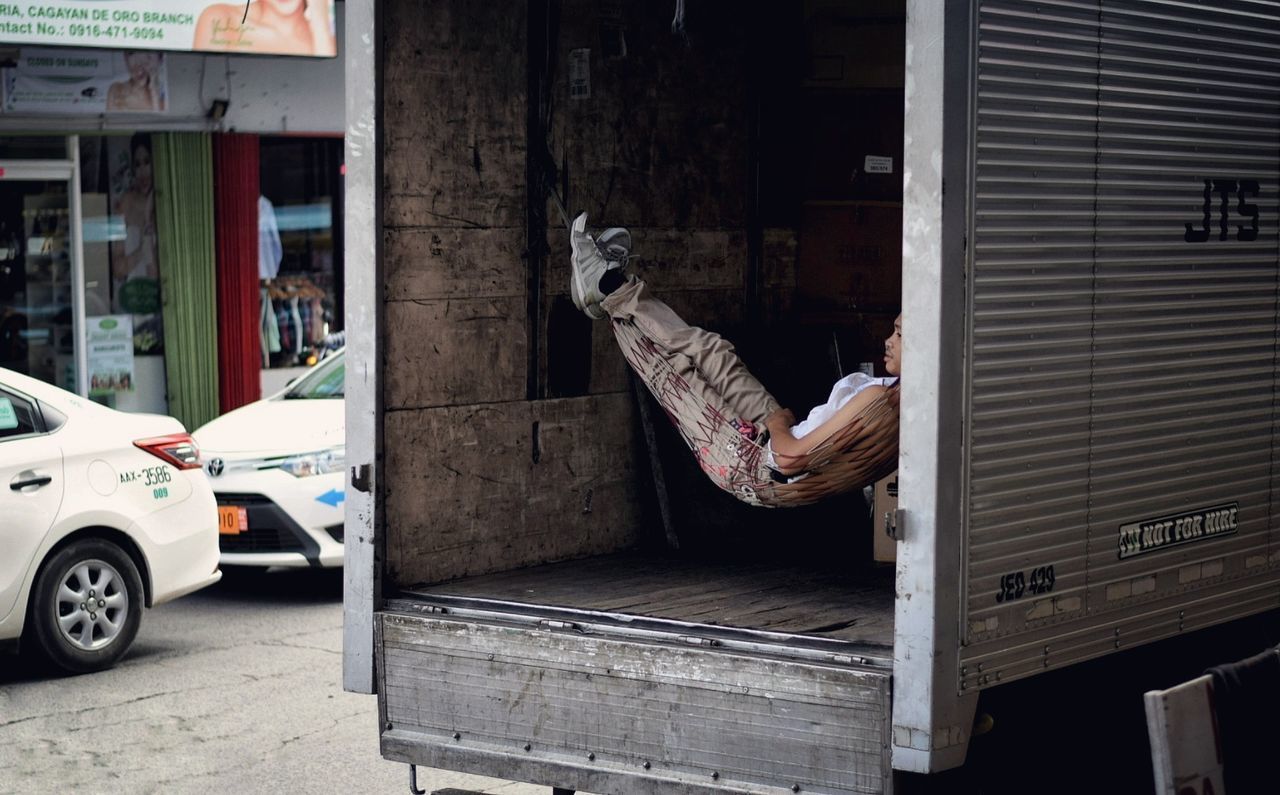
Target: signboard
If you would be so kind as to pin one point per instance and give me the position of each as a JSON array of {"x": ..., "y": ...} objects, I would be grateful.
[
  {"x": 110, "y": 353},
  {"x": 254, "y": 27},
  {"x": 86, "y": 82},
  {"x": 1152, "y": 535}
]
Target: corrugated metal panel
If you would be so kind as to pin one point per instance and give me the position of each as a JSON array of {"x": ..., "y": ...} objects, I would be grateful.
[{"x": 1119, "y": 372}]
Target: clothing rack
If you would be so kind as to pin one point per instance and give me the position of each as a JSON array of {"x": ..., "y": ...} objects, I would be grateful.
[{"x": 285, "y": 287}]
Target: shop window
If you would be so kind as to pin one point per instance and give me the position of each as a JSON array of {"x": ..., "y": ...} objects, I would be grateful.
[
  {"x": 33, "y": 147},
  {"x": 122, "y": 272},
  {"x": 35, "y": 281},
  {"x": 300, "y": 248}
]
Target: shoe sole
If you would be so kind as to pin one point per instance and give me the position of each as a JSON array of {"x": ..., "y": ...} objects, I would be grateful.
[
  {"x": 614, "y": 244},
  {"x": 578, "y": 288}
]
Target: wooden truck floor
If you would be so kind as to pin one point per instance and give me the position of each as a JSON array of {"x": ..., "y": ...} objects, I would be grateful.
[{"x": 854, "y": 606}]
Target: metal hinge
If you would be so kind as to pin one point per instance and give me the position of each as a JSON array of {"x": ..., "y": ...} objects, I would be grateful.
[
  {"x": 895, "y": 523},
  {"x": 551, "y": 623},
  {"x": 694, "y": 640}
]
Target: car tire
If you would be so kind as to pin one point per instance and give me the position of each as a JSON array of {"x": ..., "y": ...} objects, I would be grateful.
[{"x": 87, "y": 606}]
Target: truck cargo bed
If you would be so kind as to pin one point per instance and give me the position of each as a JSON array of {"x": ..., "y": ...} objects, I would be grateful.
[
  {"x": 715, "y": 676},
  {"x": 854, "y": 607}
]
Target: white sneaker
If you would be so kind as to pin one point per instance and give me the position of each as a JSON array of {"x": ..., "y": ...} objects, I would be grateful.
[
  {"x": 589, "y": 264},
  {"x": 614, "y": 244}
]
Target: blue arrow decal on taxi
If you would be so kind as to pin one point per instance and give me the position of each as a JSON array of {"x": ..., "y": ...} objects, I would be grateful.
[{"x": 332, "y": 497}]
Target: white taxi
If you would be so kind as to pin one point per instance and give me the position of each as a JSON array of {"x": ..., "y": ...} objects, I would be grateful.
[
  {"x": 101, "y": 514},
  {"x": 277, "y": 471}
]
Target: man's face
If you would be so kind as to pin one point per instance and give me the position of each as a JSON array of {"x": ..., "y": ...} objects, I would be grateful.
[{"x": 893, "y": 349}]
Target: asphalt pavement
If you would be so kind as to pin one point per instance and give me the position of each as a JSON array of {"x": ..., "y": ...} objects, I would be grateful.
[{"x": 233, "y": 689}]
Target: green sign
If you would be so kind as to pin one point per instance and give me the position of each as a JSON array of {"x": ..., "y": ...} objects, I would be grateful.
[
  {"x": 109, "y": 341},
  {"x": 140, "y": 296}
]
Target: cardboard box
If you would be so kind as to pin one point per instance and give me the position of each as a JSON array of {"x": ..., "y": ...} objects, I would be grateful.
[
  {"x": 884, "y": 507},
  {"x": 852, "y": 146},
  {"x": 857, "y": 44},
  {"x": 849, "y": 259}
]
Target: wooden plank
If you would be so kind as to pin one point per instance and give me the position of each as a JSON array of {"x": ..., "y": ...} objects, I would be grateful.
[
  {"x": 744, "y": 595},
  {"x": 443, "y": 262},
  {"x": 455, "y": 352},
  {"x": 652, "y": 145},
  {"x": 779, "y": 258},
  {"x": 454, "y": 151},
  {"x": 478, "y": 489}
]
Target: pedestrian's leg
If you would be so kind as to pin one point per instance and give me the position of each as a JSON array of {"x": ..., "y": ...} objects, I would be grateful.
[{"x": 703, "y": 358}]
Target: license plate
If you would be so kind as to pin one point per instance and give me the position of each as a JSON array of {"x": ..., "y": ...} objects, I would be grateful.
[{"x": 232, "y": 520}]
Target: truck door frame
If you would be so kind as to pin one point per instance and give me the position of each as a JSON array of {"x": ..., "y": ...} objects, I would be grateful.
[
  {"x": 362, "y": 586},
  {"x": 932, "y": 719}
]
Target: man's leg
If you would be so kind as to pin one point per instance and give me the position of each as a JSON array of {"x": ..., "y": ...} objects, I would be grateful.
[{"x": 703, "y": 358}]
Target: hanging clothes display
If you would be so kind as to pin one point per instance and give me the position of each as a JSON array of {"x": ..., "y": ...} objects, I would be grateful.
[
  {"x": 299, "y": 243},
  {"x": 270, "y": 251},
  {"x": 294, "y": 321},
  {"x": 286, "y": 328},
  {"x": 299, "y": 335},
  {"x": 318, "y": 326},
  {"x": 270, "y": 328}
]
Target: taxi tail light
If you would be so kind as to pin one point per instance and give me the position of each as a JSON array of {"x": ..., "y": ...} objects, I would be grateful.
[{"x": 176, "y": 449}]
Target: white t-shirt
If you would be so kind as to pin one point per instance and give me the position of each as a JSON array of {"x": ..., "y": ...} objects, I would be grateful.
[{"x": 845, "y": 389}]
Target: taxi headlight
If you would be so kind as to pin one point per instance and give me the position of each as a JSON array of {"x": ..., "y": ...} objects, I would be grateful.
[{"x": 320, "y": 463}]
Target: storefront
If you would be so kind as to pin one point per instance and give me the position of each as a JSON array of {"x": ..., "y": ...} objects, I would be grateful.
[{"x": 168, "y": 249}]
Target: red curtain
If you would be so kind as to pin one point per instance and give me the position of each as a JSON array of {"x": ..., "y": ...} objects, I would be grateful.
[{"x": 236, "y": 189}]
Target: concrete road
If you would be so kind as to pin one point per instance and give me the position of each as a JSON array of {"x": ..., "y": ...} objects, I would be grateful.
[{"x": 234, "y": 689}]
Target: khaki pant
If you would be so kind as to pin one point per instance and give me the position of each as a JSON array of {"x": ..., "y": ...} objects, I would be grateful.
[{"x": 704, "y": 359}]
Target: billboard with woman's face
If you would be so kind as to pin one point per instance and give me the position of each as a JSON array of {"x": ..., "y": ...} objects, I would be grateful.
[
  {"x": 48, "y": 81},
  {"x": 253, "y": 27}
]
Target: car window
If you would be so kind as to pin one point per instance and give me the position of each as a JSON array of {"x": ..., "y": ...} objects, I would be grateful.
[
  {"x": 325, "y": 381},
  {"x": 17, "y": 416}
]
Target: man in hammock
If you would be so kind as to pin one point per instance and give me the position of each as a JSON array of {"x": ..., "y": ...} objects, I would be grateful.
[{"x": 705, "y": 362}]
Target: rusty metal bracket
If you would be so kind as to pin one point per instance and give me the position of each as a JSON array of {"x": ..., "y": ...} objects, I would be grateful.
[{"x": 895, "y": 522}]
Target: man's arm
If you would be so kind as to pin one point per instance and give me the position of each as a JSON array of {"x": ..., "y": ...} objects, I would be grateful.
[{"x": 788, "y": 448}]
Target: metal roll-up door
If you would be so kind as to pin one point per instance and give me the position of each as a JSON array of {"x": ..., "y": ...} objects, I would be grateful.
[{"x": 1122, "y": 347}]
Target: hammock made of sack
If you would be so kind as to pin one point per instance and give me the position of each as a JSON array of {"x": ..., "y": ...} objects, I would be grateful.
[{"x": 731, "y": 451}]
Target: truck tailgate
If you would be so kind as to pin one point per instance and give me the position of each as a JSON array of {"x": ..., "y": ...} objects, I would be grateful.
[{"x": 606, "y": 707}]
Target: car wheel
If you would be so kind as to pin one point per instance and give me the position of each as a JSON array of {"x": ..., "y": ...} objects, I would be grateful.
[{"x": 87, "y": 606}]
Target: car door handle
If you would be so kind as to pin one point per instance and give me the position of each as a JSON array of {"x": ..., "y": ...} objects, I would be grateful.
[{"x": 29, "y": 479}]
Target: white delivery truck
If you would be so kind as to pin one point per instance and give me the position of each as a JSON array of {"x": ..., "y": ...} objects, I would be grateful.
[{"x": 1090, "y": 276}]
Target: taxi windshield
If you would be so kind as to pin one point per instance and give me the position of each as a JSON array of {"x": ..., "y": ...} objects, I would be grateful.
[{"x": 325, "y": 381}]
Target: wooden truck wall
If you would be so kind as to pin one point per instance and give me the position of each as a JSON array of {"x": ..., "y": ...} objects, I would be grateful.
[{"x": 505, "y": 408}]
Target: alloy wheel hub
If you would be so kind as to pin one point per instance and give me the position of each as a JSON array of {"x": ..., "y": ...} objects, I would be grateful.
[{"x": 92, "y": 604}]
